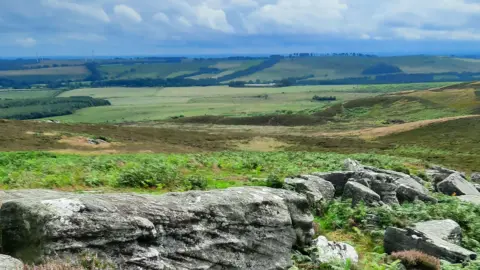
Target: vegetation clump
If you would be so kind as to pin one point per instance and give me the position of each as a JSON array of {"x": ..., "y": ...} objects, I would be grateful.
[{"x": 414, "y": 259}]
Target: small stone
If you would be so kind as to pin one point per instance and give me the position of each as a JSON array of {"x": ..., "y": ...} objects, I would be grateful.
[{"x": 328, "y": 251}]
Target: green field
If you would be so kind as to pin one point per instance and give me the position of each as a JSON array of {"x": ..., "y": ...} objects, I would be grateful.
[
  {"x": 171, "y": 70},
  {"x": 145, "y": 104},
  {"x": 23, "y": 94},
  {"x": 338, "y": 67}
]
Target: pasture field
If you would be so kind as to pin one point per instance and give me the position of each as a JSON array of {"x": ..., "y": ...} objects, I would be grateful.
[
  {"x": 338, "y": 67},
  {"x": 147, "y": 104},
  {"x": 171, "y": 70},
  {"x": 24, "y": 94},
  {"x": 73, "y": 71}
]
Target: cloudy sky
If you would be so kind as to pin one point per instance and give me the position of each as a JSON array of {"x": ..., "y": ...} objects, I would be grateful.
[{"x": 201, "y": 27}]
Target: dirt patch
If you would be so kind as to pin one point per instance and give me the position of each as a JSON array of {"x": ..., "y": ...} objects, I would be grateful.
[
  {"x": 49, "y": 134},
  {"x": 261, "y": 144},
  {"x": 79, "y": 141},
  {"x": 372, "y": 133}
]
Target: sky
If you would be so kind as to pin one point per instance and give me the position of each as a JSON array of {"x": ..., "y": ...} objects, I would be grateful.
[{"x": 235, "y": 27}]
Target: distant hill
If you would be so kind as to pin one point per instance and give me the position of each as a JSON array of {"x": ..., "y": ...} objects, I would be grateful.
[
  {"x": 331, "y": 69},
  {"x": 381, "y": 68}
]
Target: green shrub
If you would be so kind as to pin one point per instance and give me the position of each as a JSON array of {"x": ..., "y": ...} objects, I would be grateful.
[
  {"x": 274, "y": 181},
  {"x": 196, "y": 182},
  {"x": 150, "y": 176}
]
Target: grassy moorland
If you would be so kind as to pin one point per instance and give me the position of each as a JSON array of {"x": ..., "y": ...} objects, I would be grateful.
[{"x": 147, "y": 104}]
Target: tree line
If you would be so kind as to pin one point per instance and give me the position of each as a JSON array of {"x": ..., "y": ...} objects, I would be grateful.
[{"x": 22, "y": 109}]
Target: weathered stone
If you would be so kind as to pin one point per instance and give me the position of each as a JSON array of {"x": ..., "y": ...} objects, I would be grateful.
[
  {"x": 9, "y": 263},
  {"x": 238, "y": 228},
  {"x": 388, "y": 183},
  {"x": 318, "y": 191},
  {"x": 352, "y": 165},
  {"x": 447, "y": 230},
  {"x": 328, "y": 251},
  {"x": 477, "y": 186},
  {"x": 410, "y": 239},
  {"x": 363, "y": 181},
  {"x": 474, "y": 199},
  {"x": 360, "y": 193},
  {"x": 409, "y": 194},
  {"x": 475, "y": 177},
  {"x": 28, "y": 193},
  {"x": 419, "y": 180},
  {"x": 338, "y": 179},
  {"x": 386, "y": 190},
  {"x": 437, "y": 174},
  {"x": 456, "y": 184}
]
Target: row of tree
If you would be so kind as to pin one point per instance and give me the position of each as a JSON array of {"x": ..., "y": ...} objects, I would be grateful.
[
  {"x": 320, "y": 98},
  {"x": 22, "y": 109}
]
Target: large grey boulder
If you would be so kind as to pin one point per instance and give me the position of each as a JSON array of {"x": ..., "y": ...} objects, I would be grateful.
[
  {"x": 328, "y": 251},
  {"x": 458, "y": 185},
  {"x": 238, "y": 228},
  {"x": 338, "y": 179},
  {"x": 397, "y": 239},
  {"x": 437, "y": 174},
  {"x": 9, "y": 263},
  {"x": 476, "y": 177},
  {"x": 393, "y": 187},
  {"x": 360, "y": 193},
  {"x": 473, "y": 199},
  {"x": 477, "y": 186},
  {"x": 447, "y": 230},
  {"x": 408, "y": 194},
  {"x": 318, "y": 191}
]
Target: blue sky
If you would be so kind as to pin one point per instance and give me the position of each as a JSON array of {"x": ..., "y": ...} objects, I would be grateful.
[{"x": 201, "y": 27}]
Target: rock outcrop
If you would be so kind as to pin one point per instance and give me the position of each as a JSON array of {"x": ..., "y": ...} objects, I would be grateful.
[
  {"x": 437, "y": 174},
  {"x": 440, "y": 241},
  {"x": 470, "y": 199},
  {"x": 328, "y": 251},
  {"x": 456, "y": 184},
  {"x": 475, "y": 177},
  {"x": 338, "y": 179},
  {"x": 9, "y": 263},
  {"x": 392, "y": 187},
  {"x": 360, "y": 193},
  {"x": 318, "y": 191},
  {"x": 238, "y": 228},
  {"x": 447, "y": 230}
]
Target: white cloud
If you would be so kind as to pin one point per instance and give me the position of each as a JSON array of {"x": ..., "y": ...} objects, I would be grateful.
[
  {"x": 244, "y": 3},
  {"x": 85, "y": 10},
  {"x": 26, "y": 42},
  {"x": 184, "y": 21},
  {"x": 421, "y": 34},
  {"x": 91, "y": 37},
  {"x": 213, "y": 18},
  {"x": 77, "y": 22},
  {"x": 306, "y": 16},
  {"x": 161, "y": 17},
  {"x": 127, "y": 12}
]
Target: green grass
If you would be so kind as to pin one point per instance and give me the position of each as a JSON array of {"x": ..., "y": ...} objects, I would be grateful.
[
  {"x": 145, "y": 104},
  {"x": 221, "y": 169},
  {"x": 24, "y": 94}
]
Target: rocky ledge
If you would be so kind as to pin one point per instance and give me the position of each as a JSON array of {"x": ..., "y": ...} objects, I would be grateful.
[{"x": 238, "y": 228}]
